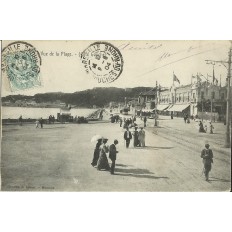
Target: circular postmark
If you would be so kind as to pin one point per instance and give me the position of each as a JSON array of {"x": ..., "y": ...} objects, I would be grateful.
[
  {"x": 21, "y": 64},
  {"x": 103, "y": 60}
]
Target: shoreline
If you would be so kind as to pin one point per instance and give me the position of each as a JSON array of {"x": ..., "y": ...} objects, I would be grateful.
[{"x": 92, "y": 117}]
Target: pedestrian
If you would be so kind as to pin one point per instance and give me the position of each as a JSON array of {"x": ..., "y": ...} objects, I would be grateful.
[
  {"x": 102, "y": 162},
  {"x": 207, "y": 156},
  {"x": 120, "y": 119},
  {"x": 41, "y": 122},
  {"x": 127, "y": 137},
  {"x": 112, "y": 155},
  {"x": 201, "y": 127},
  {"x": 49, "y": 119},
  {"x": 141, "y": 137},
  {"x": 37, "y": 123},
  {"x": 171, "y": 114},
  {"x": 211, "y": 128},
  {"x": 185, "y": 118},
  {"x": 20, "y": 120},
  {"x": 96, "y": 152},
  {"x": 136, "y": 137},
  {"x": 205, "y": 127},
  {"x": 145, "y": 121}
]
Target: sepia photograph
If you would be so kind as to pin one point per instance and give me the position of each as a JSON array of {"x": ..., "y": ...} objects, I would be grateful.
[{"x": 116, "y": 116}]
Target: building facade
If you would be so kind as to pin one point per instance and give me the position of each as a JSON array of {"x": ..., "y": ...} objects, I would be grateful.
[{"x": 199, "y": 99}]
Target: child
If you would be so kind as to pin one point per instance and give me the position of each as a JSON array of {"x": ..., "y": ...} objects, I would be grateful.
[
  {"x": 211, "y": 128},
  {"x": 205, "y": 127}
]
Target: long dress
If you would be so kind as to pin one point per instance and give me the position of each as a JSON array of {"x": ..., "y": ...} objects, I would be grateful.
[
  {"x": 136, "y": 138},
  {"x": 96, "y": 154},
  {"x": 102, "y": 162},
  {"x": 142, "y": 138},
  {"x": 201, "y": 127}
]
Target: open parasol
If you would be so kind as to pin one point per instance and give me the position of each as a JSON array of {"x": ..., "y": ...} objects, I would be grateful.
[{"x": 95, "y": 138}]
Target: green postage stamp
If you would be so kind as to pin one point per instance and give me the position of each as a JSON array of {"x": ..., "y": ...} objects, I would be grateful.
[{"x": 21, "y": 63}]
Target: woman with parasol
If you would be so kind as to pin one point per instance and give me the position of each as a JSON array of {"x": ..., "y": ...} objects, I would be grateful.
[{"x": 102, "y": 162}]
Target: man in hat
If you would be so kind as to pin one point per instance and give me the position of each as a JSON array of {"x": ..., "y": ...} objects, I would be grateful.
[
  {"x": 145, "y": 121},
  {"x": 112, "y": 155},
  {"x": 127, "y": 137},
  {"x": 207, "y": 155}
]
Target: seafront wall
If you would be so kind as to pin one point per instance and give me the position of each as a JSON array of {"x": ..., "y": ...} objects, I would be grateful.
[{"x": 96, "y": 114}]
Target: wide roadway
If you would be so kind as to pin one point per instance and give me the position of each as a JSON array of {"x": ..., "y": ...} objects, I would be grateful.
[{"x": 58, "y": 157}]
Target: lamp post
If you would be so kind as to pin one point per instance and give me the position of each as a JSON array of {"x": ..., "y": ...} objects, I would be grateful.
[
  {"x": 202, "y": 107},
  {"x": 211, "y": 109},
  {"x": 228, "y": 119}
]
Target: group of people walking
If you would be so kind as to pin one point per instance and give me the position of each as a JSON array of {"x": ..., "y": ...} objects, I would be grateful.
[
  {"x": 203, "y": 128},
  {"x": 38, "y": 122},
  {"x": 100, "y": 160},
  {"x": 139, "y": 137}
]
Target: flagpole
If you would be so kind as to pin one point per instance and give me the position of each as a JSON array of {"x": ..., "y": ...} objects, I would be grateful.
[{"x": 213, "y": 75}]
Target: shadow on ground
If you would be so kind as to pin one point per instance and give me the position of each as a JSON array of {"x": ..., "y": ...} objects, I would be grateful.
[
  {"x": 138, "y": 173},
  {"x": 122, "y": 165},
  {"x": 154, "y": 147},
  {"x": 218, "y": 179},
  {"x": 46, "y": 128}
]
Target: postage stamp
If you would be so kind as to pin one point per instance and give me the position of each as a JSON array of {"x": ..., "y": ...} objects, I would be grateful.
[
  {"x": 104, "y": 61},
  {"x": 21, "y": 63}
]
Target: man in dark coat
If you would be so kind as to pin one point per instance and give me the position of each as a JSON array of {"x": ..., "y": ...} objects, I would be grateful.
[
  {"x": 20, "y": 120},
  {"x": 207, "y": 155},
  {"x": 127, "y": 137},
  {"x": 41, "y": 122},
  {"x": 112, "y": 155},
  {"x": 145, "y": 121}
]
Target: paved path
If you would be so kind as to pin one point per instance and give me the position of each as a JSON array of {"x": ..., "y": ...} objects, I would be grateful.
[{"x": 58, "y": 157}]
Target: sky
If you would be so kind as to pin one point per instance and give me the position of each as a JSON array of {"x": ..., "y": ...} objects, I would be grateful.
[{"x": 145, "y": 62}]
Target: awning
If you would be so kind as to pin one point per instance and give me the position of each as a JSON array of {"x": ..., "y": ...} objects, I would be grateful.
[
  {"x": 178, "y": 108},
  {"x": 170, "y": 106},
  {"x": 162, "y": 107}
]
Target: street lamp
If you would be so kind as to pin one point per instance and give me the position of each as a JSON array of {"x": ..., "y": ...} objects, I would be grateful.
[{"x": 228, "y": 119}]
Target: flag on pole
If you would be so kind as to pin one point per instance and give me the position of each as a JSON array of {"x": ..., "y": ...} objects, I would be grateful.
[{"x": 175, "y": 78}]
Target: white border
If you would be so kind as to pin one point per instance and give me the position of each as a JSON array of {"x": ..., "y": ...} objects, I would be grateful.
[{"x": 110, "y": 20}]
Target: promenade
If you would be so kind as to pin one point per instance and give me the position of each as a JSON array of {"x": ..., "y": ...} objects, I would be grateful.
[{"x": 58, "y": 157}]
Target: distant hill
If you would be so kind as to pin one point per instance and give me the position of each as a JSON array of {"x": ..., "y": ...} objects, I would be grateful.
[{"x": 87, "y": 98}]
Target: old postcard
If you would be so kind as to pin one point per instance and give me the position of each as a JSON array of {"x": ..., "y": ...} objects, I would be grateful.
[{"x": 128, "y": 116}]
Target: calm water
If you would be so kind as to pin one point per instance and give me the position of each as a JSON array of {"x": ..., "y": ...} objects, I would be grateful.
[{"x": 15, "y": 112}]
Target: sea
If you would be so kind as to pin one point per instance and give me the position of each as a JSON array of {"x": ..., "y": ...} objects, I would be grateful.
[{"x": 35, "y": 113}]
